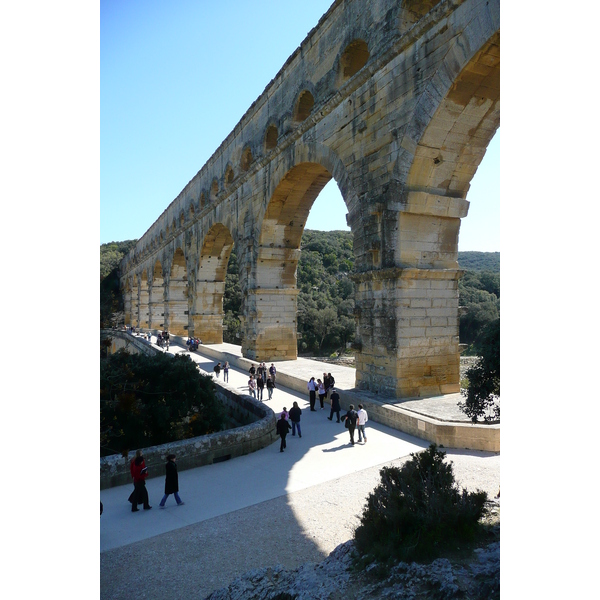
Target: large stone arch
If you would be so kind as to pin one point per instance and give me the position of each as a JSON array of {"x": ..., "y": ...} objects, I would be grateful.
[
  {"x": 206, "y": 320},
  {"x": 270, "y": 325},
  {"x": 271, "y": 304},
  {"x": 408, "y": 319}
]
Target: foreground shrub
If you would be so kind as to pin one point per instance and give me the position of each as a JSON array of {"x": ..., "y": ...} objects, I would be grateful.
[
  {"x": 150, "y": 400},
  {"x": 417, "y": 511}
]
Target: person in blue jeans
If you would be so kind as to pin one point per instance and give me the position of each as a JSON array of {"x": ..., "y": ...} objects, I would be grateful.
[
  {"x": 295, "y": 413},
  {"x": 171, "y": 482}
]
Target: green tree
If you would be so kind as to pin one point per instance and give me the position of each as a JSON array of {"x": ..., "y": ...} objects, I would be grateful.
[
  {"x": 417, "y": 511},
  {"x": 482, "y": 397},
  {"x": 149, "y": 400}
]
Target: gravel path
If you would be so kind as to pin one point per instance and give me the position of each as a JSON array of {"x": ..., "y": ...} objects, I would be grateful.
[{"x": 303, "y": 526}]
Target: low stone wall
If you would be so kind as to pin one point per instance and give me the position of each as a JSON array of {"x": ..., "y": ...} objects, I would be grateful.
[
  {"x": 471, "y": 436},
  {"x": 204, "y": 449},
  {"x": 122, "y": 339}
]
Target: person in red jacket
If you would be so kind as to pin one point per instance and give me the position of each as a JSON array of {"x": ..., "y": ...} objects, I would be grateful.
[{"x": 139, "y": 472}]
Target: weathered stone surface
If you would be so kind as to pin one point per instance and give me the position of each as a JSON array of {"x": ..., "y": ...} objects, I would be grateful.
[
  {"x": 333, "y": 579},
  {"x": 397, "y": 102}
]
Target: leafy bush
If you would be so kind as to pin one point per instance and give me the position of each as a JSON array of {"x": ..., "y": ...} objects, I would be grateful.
[
  {"x": 149, "y": 400},
  {"x": 483, "y": 392},
  {"x": 417, "y": 511}
]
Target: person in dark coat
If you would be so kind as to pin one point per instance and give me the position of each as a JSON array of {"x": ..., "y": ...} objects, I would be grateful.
[
  {"x": 139, "y": 472},
  {"x": 351, "y": 418},
  {"x": 295, "y": 413},
  {"x": 335, "y": 405},
  {"x": 171, "y": 482},
  {"x": 283, "y": 428}
]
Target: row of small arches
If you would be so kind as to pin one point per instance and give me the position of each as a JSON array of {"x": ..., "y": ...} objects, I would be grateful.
[{"x": 353, "y": 59}]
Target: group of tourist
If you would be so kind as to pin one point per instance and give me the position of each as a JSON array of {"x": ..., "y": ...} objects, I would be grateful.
[
  {"x": 225, "y": 368},
  {"x": 352, "y": 420},
  {"x": 139, "y": 474},
  {"x": 163, "y": 340},
  {"x": 322, "y": 387},
  {"x": 259, "y": 378},
  {"x": 193, "y": 343}
]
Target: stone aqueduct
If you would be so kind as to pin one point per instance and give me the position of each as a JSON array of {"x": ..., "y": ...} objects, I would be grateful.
[{"x": 396, "y": 100}]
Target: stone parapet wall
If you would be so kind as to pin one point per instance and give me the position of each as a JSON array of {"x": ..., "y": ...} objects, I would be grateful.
[
  {"x": 121, "y": 340},
  {"x": 201, "y": 450},
  {"x": 471, "y": 436}
]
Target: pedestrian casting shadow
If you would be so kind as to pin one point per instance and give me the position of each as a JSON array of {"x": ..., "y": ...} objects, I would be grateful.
[
  {"x": 234, "y": 496},
  {"x": 338, "y": 448}
]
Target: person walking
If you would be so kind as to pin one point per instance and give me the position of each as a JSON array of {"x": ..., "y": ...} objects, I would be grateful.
[
  {"x": 217, "y": 369},
  {"x": 272, "y": 373},
  {"x": 295, "y": 413},
  {"x": 350, "y": 419},
  {"x": 363, "y": 417},
  {"x": 252, "y": 386},
  {"x": 330, "y": 382},
  {"x": 270, "y": 386},
  {"x": 260, "y": 385},
  {"x": 139, "y": 472},
  {"x": 252, "y": 370},
  {"x": 282, "y": 429},
  {"x": 321, "y": 391},
  {"x": 226, "y": 372},
  {"x": 335, "y": 405},
  {"x": 312, "y": 392},
  {"x": 171, "y": 482}
]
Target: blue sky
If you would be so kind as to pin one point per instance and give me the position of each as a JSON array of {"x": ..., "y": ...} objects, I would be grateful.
[{"x": 175, "y": 80}]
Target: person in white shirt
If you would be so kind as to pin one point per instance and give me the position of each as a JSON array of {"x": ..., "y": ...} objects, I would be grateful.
[
  {"x": 362, "y": 420},
  {"x": 312, "y": 392},
  {"x": 252, "y": 386}
]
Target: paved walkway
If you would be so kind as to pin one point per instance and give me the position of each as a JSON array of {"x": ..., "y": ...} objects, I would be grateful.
[{"x": 319, "y": 465}]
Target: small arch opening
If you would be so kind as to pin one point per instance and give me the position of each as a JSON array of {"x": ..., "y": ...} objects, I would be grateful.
[
  {"x": 304, "y": 106},
  {"x": 353, "y": 59},
  {"x": 214, "y": 189},
  {"x": 229, "y": 175},
  {"x": 271, "y": 137},
  {"x": 246, "y": 159}
]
